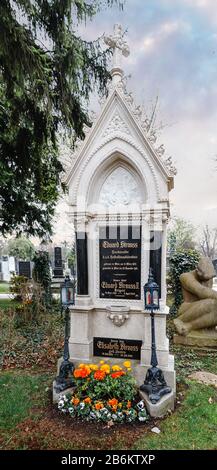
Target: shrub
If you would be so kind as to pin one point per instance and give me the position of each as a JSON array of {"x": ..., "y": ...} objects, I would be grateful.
[
  {"x": 30, "y": 296},
  {"x": 20, "y": 287},
  {"x": 181, "y": 262}
]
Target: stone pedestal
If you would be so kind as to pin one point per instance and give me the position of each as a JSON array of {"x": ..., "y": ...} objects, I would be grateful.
[
  {"x": 160, "y": 409},
  {"x": 56, "y": 396},
  {"x": 206, "y": 338},
  {"x": 124, "y": 323}
]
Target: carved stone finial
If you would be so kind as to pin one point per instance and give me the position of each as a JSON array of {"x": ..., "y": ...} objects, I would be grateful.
[{"x": 120, "y": 48}]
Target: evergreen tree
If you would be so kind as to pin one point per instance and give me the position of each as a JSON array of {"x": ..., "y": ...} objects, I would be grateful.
[{"x": 47, "y": 72}]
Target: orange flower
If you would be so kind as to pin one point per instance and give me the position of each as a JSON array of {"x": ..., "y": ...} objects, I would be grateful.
[
  {"x": 82, "y": 373},
  {"x": 77, "y": 373},
  {"x": 87, "y": 400},
  {"x": 129, "y": 404},
  {"x": 99, "y": 375},
  {"x": 115, "y": 375},
  {"x": 113, "y": 402},
  {"x": 99, "y": 405},
  {"x": 75, "y": 401}
]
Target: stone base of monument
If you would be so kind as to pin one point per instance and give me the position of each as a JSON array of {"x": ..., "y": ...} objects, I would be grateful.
[
  {"x": 206, "y": 338},
  {"x": 159, "y": 409},
  {"x": 57, "y": 395},
  {"x": 140, "y": 372}
]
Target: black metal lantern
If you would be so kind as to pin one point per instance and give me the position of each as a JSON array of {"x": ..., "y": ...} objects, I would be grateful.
[
  {"x": 67, "y": 298},
  {"x": 154, "y": 385},
  {"x": 151, "y": 293},
  {"x": 67, "y": 292}
]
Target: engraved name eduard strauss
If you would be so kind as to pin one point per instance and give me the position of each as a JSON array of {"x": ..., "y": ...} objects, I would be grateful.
[
  {"x": 119, "y": 285},
  {"x": 119, "y": 245}
]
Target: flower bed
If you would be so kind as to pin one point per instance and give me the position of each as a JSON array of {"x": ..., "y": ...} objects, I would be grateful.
[{"x": 104, "y": 393}]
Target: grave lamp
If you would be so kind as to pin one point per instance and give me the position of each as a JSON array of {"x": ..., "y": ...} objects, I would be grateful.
[
  {"x": 154, "y": 385},
  {"x": 67, "y": 297},
  {"x": 67, "y": 292},
  {"x": 151, "y": 293}
]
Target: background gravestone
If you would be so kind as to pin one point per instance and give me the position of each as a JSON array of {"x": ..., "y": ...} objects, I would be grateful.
[
  {"x": 58, "y": 262},
  {"x": 24, "y": 268}
]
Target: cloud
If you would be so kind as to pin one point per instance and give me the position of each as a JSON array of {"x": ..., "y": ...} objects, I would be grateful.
[
  {"x": 174, "y": 54},
  {"x": 207, "y": 7},
  {"x": 164, "y": 33}
]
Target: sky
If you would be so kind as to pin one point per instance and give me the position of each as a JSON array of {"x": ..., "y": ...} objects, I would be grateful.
[{"x": 173, "y": 47}]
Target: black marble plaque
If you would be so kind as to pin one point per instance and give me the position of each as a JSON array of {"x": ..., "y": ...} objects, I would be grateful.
[
  {"x": 156, "y": 256},
  {"x": 120, "y": 264},
  {"x": 82, "y": 263},
  {"x": 117, "y": 348}
]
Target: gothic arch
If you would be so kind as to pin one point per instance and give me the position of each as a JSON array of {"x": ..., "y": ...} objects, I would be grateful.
[{"x": 101, "y": 160}]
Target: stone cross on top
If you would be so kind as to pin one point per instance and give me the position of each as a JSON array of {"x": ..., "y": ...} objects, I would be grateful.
[{"x": 120, "y": 47}]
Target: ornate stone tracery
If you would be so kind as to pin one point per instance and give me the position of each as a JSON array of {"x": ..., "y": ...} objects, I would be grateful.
[
  {"x": 116, "y": 124},
  {"x": 120, "y": 188}
]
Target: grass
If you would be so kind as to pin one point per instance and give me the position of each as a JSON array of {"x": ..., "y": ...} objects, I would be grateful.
[
  {"x": 18, "y": 394},
  {"x": 4, "y": 288},
  {"x": 7, "y": 303},
  {"x": 27, "y": 421},
  {"x": 193, "y": 427}
]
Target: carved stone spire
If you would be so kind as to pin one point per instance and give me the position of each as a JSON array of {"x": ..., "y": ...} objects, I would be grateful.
[{"x": 120, "y": 48}]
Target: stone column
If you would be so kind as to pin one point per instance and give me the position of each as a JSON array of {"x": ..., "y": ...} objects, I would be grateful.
[{"x": 81, "y": 336}]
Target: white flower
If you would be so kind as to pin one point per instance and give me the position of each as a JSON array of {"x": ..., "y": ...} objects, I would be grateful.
[
  {"x": 142, "y": 418},
  {"x": 104, "y": 411},
  {"x": 61, "y": 404},
  {"x": 140, "y": 405},
  {"x": 82, "y": 405}
]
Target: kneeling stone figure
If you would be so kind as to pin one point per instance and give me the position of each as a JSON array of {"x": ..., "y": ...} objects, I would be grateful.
[{"x": 199, "y": 309}]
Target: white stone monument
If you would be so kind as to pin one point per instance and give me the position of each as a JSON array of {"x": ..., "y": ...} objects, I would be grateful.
[{"x": 119, "y": 181}]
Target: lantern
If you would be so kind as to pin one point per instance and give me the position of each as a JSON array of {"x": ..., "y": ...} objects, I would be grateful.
[
  {"x": 151, "y": 293},
  {"x": 154, "y": 385},
  {"x": 67, "y": 292}
]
